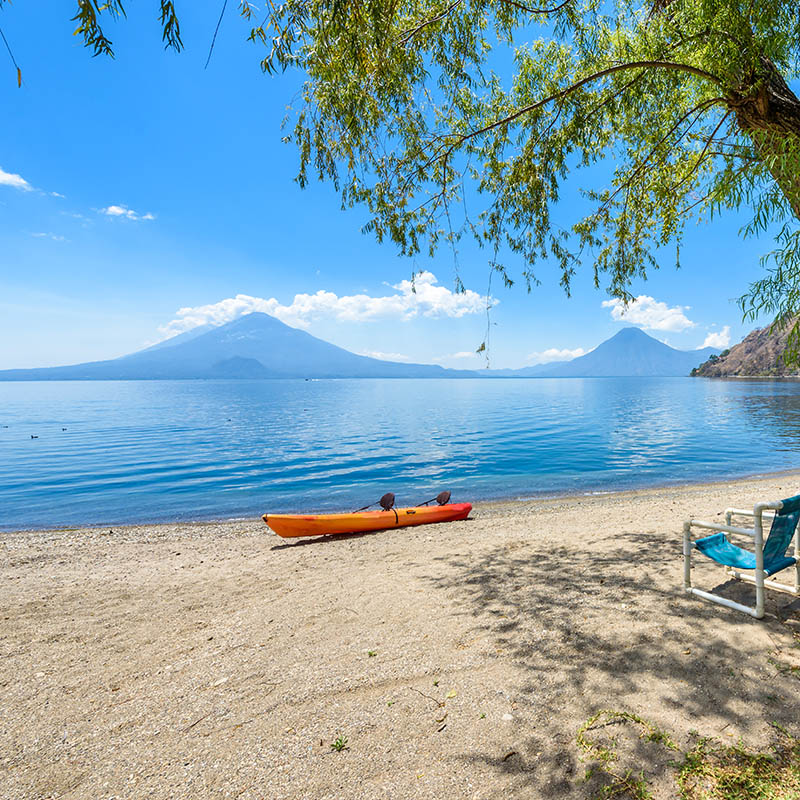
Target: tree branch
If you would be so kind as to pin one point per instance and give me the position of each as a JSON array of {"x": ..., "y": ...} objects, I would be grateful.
[
  {"x": 701, "y": 107},
  {"x": 404, "y": 38},
  {"x": 586, "y": 117},
  {"x": 216, "y": 31},
  {"x": 668, "y": 65},
  {"x": 13, "y": 60},
  {"x": 702, "y": 154},
  {"x": 426, "y": 23},
  {"x": 530, "y": 10}
]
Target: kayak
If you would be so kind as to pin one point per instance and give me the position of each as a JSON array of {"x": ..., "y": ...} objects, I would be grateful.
[{"x": 290, "y": 525}]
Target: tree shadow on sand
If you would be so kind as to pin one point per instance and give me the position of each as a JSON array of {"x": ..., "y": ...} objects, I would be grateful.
[{"x": 606, "y": 625}]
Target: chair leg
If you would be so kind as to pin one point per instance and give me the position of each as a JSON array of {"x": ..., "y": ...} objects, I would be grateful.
[
  {"x": 759, "y": 594},
  {"x": 687, "y": 557},
  {"x": 797, "y": 562},
  {"x": 688, "y": 546},
  {"x": 723, "y": 601},
  {"x": 768, "y": 584}
]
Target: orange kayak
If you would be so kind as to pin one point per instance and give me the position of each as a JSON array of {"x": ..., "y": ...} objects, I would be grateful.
[{"x": 291, "y": 525}]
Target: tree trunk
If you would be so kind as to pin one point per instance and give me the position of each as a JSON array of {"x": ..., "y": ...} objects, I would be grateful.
[{"x": 769, "y": 111}]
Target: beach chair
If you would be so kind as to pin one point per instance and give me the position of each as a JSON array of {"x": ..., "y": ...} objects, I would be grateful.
[{"x": 767, "y": 557}]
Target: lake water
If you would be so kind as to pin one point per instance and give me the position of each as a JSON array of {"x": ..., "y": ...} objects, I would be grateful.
[{"x": 143, "y": 451}]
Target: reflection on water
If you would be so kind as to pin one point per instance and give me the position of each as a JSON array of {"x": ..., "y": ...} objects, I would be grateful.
[
  {"x": 149, "y": 450},
  {"x": 776, "y": 412}
]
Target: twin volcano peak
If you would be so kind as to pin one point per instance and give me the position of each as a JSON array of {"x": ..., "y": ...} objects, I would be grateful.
[{"x": 258, "y": 345}]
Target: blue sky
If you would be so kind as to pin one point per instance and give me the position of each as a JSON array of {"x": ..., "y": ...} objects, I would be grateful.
[{"x": 134, "y": 188}]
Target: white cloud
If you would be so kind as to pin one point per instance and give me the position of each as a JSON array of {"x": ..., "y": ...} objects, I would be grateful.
[
  {"x": 554, "y": 354},
  {"x": 463, "y": 354},
  {"x": 125, "y": 213},
  {"x": 55, "y": 237},
  {"x": 15, "y": 181},
  {"x": 720, "y": 339},
  {"x": 422, "y": 298},
  {"x": 649, "y": 313},
  {"x": 384, "y": 356},
  {"x": 18, "y": 182}
]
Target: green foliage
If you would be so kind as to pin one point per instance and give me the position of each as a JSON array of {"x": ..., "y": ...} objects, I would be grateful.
[
  {"x": 89, "y": 27},
  {"x": 407, "y": 110},
  {"x": 339, "y": 744},
  {"x": 89, "y": 16}
]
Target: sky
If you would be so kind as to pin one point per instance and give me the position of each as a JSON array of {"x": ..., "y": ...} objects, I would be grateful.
[{"x": 143, "y": 195}]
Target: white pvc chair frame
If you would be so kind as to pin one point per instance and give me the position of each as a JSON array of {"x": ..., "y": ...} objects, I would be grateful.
[{"x": 758, "y": 577}]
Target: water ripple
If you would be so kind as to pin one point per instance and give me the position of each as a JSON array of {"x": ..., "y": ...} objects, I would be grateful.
[{"x": 151, "y": 450}]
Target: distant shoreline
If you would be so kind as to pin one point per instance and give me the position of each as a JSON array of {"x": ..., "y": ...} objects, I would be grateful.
[{"x": 478, "y": 375}]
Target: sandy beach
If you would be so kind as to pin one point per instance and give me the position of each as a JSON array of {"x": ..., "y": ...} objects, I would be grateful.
[{"x": 216, "y": 660}]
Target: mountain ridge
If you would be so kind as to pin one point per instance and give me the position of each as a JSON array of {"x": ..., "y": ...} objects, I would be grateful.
[
  {"x": 263, "y": 346},
  {"x": 631, "y": 353},
  {"x": 759, "y": 355},
  {"x": 259, "y": 346}
]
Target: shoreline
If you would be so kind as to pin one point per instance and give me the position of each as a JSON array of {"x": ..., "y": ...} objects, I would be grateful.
[
  {"x": 477, "y": 501},
  {"x": 459, "y": 660}
]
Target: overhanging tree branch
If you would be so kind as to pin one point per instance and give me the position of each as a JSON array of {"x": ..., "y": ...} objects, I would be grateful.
[
  {"x": 703, "y": 153},
  {"x": 513, "y": 3},
  {"x": 700, "y": 108},
  {"x": 13, "y": 60},
  {"x": 428, "y": 22},
  {"x": 530, "y": 10},
  {"x": 667, "y": 65}
]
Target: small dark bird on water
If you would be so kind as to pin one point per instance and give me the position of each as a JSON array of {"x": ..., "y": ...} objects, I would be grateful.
[
  {"x": 34, "y": 437},
  {"x": 63, "y": 429}
]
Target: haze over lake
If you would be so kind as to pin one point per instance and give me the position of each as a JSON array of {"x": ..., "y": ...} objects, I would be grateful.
[{"x": 137, "y": 451}]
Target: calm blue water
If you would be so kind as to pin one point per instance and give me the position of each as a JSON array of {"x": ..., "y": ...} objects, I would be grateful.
[{"x": 166, "y": 450}]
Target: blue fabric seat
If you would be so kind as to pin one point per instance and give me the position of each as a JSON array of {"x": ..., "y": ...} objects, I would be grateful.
[{"x": 718, "y": 548}]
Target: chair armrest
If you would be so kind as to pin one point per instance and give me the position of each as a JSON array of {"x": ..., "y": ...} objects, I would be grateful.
[
  {"x": 720, "y": 527},
  {"x": 739, "y": 512},
  {"x": 768, "y": 508}
]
